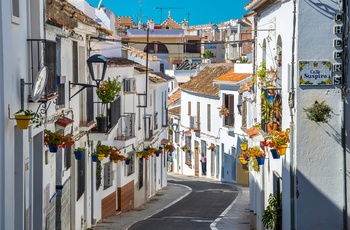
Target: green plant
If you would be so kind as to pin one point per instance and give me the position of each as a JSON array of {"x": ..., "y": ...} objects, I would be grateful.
[
  {"x": 207, "y": 54},
  {"x": 79, "y": 149},
  {"x": 319, "y": 112},
  {"x": 261, "y": 71},
  {"x": 129, "y": 159},
  {"x": 36, "y": 118},
  {"x": 106, "y": 150},
  {"x": 57, "y": 139},
  {"x": 223, "y": 110},
  {"x": 272, "y": 212},
  {"x": 278, "y": 138},
  {"x": 109, "y": 89}
]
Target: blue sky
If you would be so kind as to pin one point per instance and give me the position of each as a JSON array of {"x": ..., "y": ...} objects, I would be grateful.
[{"x": 198, "y": 11}]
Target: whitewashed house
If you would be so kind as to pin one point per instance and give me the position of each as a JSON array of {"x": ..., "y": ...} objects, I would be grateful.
[{"x": 313, "y": 184}]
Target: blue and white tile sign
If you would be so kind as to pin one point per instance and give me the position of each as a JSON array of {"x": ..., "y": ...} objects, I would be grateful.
[{"x": 315, "y": 73}]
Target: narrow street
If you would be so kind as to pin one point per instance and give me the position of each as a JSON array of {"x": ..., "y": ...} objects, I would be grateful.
[
  {"x": 187, "y": 203},
  {"x": 196, "y": 211}
]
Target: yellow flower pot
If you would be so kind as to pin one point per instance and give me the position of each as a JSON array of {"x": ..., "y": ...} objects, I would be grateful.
[
  {"x": 100, "y": 157},
  {"x": 281, "y": 150},
  {"x": 116, "y": 161},
  {"x": 243, "y": 146},
  {"x": 139, "y": 155},
  {"x": 22, "y": 121},
  {"x": 243, "y": 161}
]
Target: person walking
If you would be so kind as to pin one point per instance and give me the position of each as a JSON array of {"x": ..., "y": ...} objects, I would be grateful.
[
  {"x": 204, "y": 164},
  {"x": 170, "y": 163}
]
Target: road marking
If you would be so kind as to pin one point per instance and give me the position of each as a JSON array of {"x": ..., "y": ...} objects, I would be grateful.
[{"x": 213, "y": 225}]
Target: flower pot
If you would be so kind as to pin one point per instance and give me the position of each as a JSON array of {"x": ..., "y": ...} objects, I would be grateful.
[
  {"x": 139, "y": 155},
  {"x": 22, "y": 121},
  {"x": 116, "y": 161},
  {"x": 243, "y": 161},
  {"x": 282, "y": 149},
  {"x": 260, "y": 160},
  {"x": 157, "y": 154},
  {"x": 53, "y": 148},
  {"x": 78, "y": 155},
  {"x": 243, "y": 146},
  {"x": 101, "y": 124},
  {"x": 127, "y": 161},
  {"x": 100, "y": 157},
  {"x": 274, "y": 153},
  {"x": 94, "y": 158}
]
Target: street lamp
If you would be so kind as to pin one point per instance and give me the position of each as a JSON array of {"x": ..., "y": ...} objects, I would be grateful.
[{"x": 97, "y": 68}]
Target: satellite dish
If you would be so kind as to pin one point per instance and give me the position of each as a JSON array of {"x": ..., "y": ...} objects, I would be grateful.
[{"x": 39, "y": 84}]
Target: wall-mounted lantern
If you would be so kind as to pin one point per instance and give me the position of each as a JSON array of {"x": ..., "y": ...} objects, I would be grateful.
[{"x": 97, "y": 68}]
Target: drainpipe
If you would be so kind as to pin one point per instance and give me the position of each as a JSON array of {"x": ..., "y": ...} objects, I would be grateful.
[
  {"x": 345, "y": 10},
  {"x": 291, "y": 101}
]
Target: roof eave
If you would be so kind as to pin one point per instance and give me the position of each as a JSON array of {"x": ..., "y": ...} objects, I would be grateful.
[{"x": 254, "y": 4}]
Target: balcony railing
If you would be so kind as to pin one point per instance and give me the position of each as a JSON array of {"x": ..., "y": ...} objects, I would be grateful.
[{"x": 126, "y": 127}]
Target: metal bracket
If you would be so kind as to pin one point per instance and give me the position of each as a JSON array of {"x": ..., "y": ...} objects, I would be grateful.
[{"x": 83, "y": 87}]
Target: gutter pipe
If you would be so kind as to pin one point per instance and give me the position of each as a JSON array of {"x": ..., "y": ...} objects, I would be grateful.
[{"x": 291, "y": 101}]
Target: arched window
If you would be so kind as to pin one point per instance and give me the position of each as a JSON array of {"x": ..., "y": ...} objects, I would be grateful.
[{"x": 156, "y": 48}]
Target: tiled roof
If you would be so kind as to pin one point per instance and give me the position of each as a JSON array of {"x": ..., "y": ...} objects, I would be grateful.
[
  {"x": 233, "y": 77},
  {"x": 202, "y": 83},
  {"x": 174, "y": 97},
  {"x": 170, "y": 23},
  {"x": 155, "y": 78},
  {"x": 175, "y": 111},
  {"x": 245, "y": 87},
  {"x": 65, "y": 14},
  {"x": 119, "y": 61}
]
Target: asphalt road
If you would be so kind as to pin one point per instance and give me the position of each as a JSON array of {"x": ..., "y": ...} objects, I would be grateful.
[{"x": 196, "y": 211}]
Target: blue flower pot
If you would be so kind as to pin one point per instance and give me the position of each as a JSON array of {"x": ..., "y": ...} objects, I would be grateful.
[
  {"x": 275, "y": 154},
  {"x": 94, "y": 158},
  {"x": 78, "y": 155},
  {"x": 127, "y": 161},
  {"x": 157, "y": 154},
  {"x": 53, "y": 149},
  {"x": 261, "y": 160}
]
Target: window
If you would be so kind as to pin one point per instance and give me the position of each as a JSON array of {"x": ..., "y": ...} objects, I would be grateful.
[
  {"x": 189, "y": 108},
  {"x": 129, "y": 85},
  {"x": 80, "y": 176},
  {"x": 75, "y": 62},
  {"x": 15, "y": 9},
  {"x": 60, "y": 87},
  {"x": 98, "y": 174},
  {"x": 50, "y": 62},
  {"x": 67, "y": 157},
  {"x": 140, "y": 173},
  {"x": 198, "y": 115},
  {"x": 130, "y": 168},
  {"x": 209, "y": 117},
  {"x": 229, "y": 102},
  {"x": 108, "y": 175}
]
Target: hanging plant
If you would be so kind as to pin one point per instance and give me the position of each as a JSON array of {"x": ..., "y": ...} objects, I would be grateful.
[{"x": 319, "y": 112}]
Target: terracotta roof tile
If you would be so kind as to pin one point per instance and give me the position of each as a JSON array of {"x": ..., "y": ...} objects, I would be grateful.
[
  {"x": 175, "y": 111},
  {"x": 202, "y": 83},
  {"x": 119, "y": 61},
  {"x": 252, "y": 132},
  {"x": 245, "y": 87},
  {"x": 174, "y": 97},
  {"x": 231, "y": 76},
  {"x": 155, "y": 78}
]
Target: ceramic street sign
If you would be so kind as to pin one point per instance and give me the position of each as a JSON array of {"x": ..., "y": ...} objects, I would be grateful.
[{"x": 315, "y": 73}]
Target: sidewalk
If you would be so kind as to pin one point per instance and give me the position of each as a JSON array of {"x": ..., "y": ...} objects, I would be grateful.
[{"x": 236, "y": 216}]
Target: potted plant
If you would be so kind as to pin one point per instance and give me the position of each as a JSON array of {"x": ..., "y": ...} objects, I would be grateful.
[
  {"x": 115, "y": 155},
  {"x": 279, "y": 140},
  {"x": 184, "y": 148},
  {"x": 78, "y": 152},
  {"x": 94, "y": 157},
  {"x": 143, "y": 154},
  {"x": 223, "y": 111},
  {"x": 211, "y": 147},
  {"x": 103, "y": 151},
  {"x": 107, "y": 92},
  {"x": 243, "y": 158},
  {"x": 25, "y": 116},
  {"x": 169, "y": 147},
  {"x": 319, "y": 112},
  {"x": 128, "y": 160},
  {"x": 158, "y": 151},
  {"x": 244, "y": 145},
  {"x": 257, "y": 152},
  {"x": 56, "y": 140},
  {"x": 268, "y": 143}
]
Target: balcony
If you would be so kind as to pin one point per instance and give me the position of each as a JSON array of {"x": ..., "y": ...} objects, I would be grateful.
[
  {"x": 113, "y": 115},
  {"x": 126, "y": 129}
]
